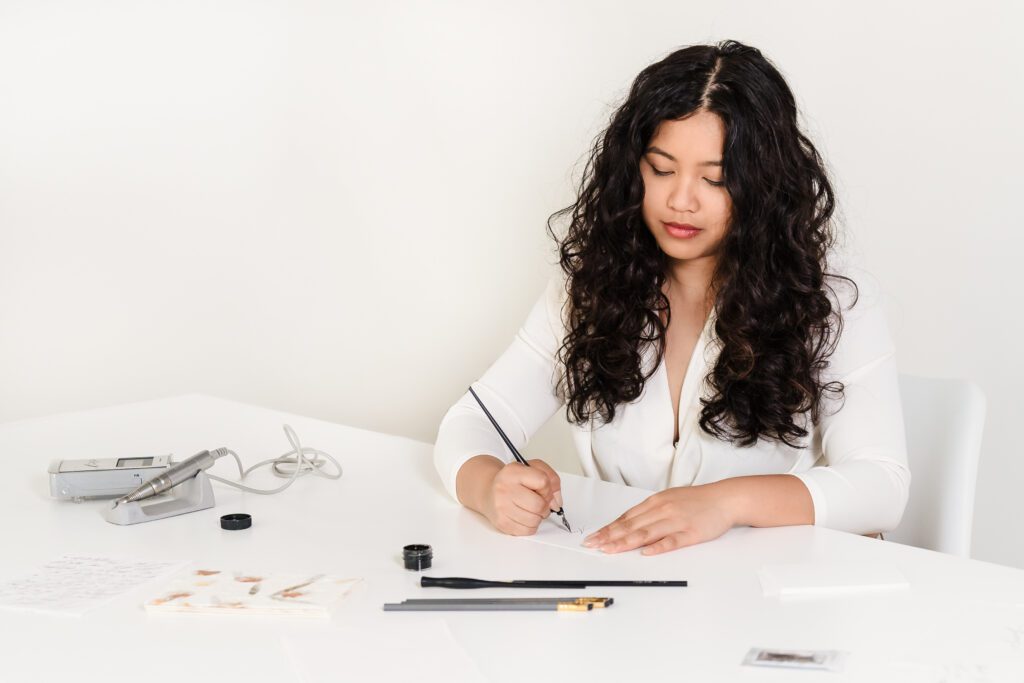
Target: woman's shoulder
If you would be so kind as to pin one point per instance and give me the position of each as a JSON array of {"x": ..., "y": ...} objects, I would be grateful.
[
  {"x": 544, "y": 328},
  {"x": 858, "y": 304}
]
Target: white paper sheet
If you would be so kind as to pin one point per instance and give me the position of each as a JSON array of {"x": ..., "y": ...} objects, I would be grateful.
[
  {"x": 74, "y": 584},
  {"x": 589, "y": 504}
]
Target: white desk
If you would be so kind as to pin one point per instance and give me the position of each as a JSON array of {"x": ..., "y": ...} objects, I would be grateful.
[{"x": 960, "y": 620}]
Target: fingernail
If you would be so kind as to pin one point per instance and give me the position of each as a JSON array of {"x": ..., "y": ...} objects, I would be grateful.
[{"x": 558, "y": 501}]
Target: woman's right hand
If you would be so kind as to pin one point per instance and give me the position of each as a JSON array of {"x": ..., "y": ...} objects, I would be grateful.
[
  {"x": 513, "y": 497},
  {"x": 520, "y": 497}
]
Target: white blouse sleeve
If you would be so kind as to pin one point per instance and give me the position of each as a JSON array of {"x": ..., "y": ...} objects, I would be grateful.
[
  {"x": 518, "y": 390},
  {"x": 864, "y": 482}
]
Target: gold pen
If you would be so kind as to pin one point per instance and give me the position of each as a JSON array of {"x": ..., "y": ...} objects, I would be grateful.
[{"x": 574, "y": 607}]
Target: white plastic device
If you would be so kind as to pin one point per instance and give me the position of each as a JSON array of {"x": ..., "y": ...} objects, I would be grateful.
[{"x": 102, "y": 477}]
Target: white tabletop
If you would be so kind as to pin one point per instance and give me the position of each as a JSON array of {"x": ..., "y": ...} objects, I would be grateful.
[{"x": 959, "y": 620}]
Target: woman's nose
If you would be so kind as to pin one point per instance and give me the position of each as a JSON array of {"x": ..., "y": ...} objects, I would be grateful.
[{"x": 683, "y": 198}]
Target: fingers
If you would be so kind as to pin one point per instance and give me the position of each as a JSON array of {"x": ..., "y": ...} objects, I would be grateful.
[
  {"x": 634, "y": 532},
  {"x": 622, "y": 524},
  {"x": 554, "y": 482},
  {"x": 520, "y": 498},
  {"x": 513, "y": 527},
  {"x": 680, "y": 539},
  {"x": 526, "y": 519},
  {"x": 666, "y": 521},
  {"x": 528, "y": 501},
  {"x": 533, "y": 478},
  {"x": 519, "y": 515}
]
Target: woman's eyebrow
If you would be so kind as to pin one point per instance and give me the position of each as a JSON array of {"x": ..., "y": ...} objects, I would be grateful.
[{"x": 657, "y": 150}]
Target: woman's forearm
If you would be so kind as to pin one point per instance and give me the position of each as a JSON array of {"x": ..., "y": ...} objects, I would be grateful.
[
  {"x": 766, "y": 500},
  {"x": 474, "y": 478}
]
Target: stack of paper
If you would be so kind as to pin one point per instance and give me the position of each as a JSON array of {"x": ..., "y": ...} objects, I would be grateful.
[{"x": 217, "y": 591}]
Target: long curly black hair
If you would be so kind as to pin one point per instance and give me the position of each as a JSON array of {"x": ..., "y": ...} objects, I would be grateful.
[{"x": 775, "y": 324}]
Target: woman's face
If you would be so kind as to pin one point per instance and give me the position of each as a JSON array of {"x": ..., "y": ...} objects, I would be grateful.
[{"x": 682, "y": 174}]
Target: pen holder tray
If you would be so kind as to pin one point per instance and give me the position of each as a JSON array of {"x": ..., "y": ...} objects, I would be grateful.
[{"x": 188, "y": 496}]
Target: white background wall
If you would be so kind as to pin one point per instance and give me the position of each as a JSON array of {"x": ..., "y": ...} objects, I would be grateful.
[{"x": 338, "y": 209}]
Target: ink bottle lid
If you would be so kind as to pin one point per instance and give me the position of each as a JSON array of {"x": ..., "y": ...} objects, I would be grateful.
[{"x": 235, "y": 521}]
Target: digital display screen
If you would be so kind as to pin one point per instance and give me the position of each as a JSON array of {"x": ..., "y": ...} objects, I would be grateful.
[{"x": 135, "y": 462}]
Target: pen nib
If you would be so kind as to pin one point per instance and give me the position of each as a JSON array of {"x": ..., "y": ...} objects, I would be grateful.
[{"x": 565, "y": 521}]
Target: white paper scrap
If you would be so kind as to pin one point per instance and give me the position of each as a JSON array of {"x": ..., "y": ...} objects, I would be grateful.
[{"x": 74, "y": 584}]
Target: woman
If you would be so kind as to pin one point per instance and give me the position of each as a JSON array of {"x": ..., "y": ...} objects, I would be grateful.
[{"x": 695, "y": 276}]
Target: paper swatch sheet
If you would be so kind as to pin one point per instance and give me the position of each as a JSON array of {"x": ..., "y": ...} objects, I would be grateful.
[
  {"x": 212, "y": 590},
  {"x": 73, "y": 584},
  {"x": 589, "y": 504}
]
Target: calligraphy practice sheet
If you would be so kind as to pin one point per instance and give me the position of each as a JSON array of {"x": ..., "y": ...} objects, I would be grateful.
[{"x": 74, "y": 584}]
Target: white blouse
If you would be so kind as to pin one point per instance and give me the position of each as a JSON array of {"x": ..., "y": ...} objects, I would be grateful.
[{"x": 853, "y": 462}]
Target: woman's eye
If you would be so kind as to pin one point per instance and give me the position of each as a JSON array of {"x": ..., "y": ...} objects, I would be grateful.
[{"x": 713, "y": 183}]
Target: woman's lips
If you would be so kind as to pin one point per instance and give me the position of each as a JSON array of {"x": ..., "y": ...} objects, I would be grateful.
[{"x": 681, "y": 230}]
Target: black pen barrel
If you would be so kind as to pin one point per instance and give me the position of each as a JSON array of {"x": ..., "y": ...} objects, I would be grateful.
[
  {"x": 462, "y": 582},
  {"x": 638, "y": 583},
  {"x": 456, "y": 582}
]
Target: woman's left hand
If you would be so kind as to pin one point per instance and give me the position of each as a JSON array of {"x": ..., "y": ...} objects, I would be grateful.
[{"x": 670, "y": 519}]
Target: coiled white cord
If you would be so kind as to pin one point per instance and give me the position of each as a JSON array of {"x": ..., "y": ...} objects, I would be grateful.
[{"x": 293, "y": 464}]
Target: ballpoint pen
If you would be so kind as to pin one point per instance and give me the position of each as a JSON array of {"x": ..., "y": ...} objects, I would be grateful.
[{"x": 520, "y": 459}]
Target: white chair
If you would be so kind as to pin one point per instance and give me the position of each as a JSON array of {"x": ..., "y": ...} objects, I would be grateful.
[{"x": 944, "y": 419}]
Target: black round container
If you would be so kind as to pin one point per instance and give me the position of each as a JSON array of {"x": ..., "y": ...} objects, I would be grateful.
[{"x": 417, "y": 557}]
